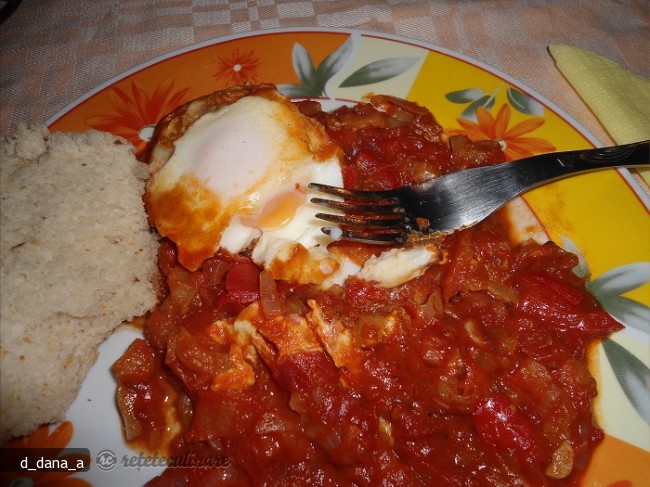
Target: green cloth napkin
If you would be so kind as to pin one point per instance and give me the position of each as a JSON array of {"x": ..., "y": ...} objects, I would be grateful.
[{"x": 619, "y": 98}]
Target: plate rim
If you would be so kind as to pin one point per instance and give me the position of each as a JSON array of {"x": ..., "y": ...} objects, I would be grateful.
[
  {"x": 335, "y": 30},
  {"x": 625, "y": 173}
]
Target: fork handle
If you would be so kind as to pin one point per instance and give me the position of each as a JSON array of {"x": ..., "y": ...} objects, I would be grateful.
[
  {"x": 544, "y": 168},
  {"x": 634, "y": 154}
]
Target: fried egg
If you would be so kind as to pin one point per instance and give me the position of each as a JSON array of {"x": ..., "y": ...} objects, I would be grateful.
[
  {"x": 239, "y": 174},
  {"x": 234, "y": 175}
]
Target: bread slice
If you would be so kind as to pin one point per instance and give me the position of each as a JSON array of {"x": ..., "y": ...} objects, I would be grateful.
[{"x": 77, "y": 259}]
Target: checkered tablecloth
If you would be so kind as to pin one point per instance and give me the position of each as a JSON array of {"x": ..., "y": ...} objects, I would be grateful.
[{"x": 53, "y": 51}]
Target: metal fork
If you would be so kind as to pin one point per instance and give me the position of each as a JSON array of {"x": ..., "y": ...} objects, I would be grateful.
[{"x": 460, "y": 199}]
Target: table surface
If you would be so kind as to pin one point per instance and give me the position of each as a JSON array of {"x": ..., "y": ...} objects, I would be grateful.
[{"x": 54, "y": 51}]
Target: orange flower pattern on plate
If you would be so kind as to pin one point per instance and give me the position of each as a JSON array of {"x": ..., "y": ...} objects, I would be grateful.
[
  {"x": 42, "y": 438},
  {"x": 496, "y": 128},
  {"x": 136, "y": 113},
  {"x": 238, "y": 68}
]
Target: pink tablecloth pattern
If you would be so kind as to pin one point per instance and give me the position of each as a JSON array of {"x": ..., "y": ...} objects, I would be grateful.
[{"x": 53, "y": 51}]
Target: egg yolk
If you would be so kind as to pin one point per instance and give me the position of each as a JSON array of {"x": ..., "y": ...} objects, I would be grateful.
[{"x": 278, "y": 211}]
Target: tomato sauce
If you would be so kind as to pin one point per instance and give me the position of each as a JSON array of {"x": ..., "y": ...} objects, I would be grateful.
[{"x": 472, "y": 374}]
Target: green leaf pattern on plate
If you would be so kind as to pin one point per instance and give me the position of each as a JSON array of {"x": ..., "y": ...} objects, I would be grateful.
[
  {"x": 524, "y": 103},
  {"x": 476, "y": 97},
  {"x": 630, "y": 372},
  {"x": 486, "y": 101},
  {"x": 378, "y": 71},
  {"x": 632, "y": 375},
  {"x": 465, "y": 96},
  {"x": 313, "y": 81},
  {"x": 335, "y": 61},
  {"x": 303, "y": 64},
  {"x": 610, "y": 286}
]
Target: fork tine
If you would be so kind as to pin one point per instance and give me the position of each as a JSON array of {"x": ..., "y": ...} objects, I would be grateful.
[
  {"x": 353, "y": 194},
  {"x": 398, "y": 223},
  {"x": 359, "y": 207},
  {"x": 365, "y": 237},
  {"x": 370, "y": 210}
]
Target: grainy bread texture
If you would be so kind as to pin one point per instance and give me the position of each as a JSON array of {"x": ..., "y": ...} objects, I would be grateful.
[{"x": 77, "y": 260}]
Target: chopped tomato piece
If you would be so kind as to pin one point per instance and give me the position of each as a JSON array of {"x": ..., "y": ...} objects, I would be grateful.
[
  {"x": 242, "y": 282},
  {"x": 501, "y": 425}
]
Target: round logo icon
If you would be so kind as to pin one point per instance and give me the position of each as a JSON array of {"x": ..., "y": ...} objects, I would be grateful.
[{"x": 106, "y": 460}]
